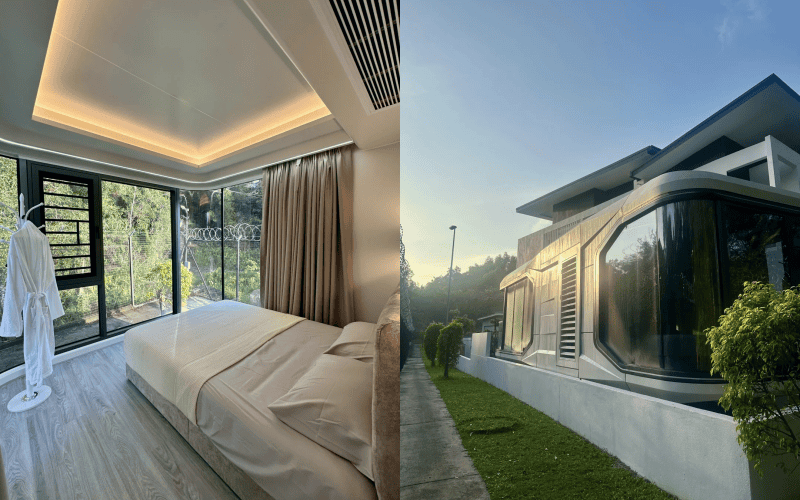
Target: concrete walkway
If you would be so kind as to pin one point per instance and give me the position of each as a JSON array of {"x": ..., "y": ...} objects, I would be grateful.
[{"x": 433, "y": 463}]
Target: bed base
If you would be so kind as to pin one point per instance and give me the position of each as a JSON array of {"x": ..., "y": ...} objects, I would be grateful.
[{"x": 233, "y": 476}]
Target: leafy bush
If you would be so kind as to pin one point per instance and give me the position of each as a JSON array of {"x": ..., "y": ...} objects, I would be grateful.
[
  {"x": 756, "y": 349},
  {"x": 161, "y": 276},
  {"x": 431, "y": 341},
  {"x": 467, "y": 325},
  {"x": 449, "y": 345}
]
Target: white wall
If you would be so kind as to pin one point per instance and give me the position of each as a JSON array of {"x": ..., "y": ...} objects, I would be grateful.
[
  {"x": 376, "y": 228},
  {"x": 685, "y": 451}
]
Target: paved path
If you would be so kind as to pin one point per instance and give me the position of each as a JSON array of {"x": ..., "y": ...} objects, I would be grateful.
[{"x": 433, "y": 463}]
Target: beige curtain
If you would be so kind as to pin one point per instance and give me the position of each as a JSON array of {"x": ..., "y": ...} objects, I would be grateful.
[{"x": 306, "y": 238}]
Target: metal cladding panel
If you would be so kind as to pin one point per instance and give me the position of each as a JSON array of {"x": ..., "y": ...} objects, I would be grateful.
[{"x": 587, "y": 299}]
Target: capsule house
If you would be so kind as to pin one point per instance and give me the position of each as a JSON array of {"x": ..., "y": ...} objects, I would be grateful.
[{"x": 645, "y": 254}]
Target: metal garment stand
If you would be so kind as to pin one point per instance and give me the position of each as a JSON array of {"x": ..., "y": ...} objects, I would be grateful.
[{"x": 32, "y": 395}]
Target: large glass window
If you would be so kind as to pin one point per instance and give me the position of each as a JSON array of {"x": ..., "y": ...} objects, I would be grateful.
[
  {"x": 8, "y": 196},
  {"x": 137, "y": 246},
  {"x": 201, "y": 244},
  {"x": 81, "y": 316},
  {"x": 662, "y": 289},
  {"x": 631, "y": 319},
  {"x": 518, "y": 295},
  {"x": 242, "y": 229}
]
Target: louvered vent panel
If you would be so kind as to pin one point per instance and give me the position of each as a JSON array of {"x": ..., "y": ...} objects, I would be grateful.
[
  {"x": 569, "y": 281},
  {"x": 372, "y": 31}
]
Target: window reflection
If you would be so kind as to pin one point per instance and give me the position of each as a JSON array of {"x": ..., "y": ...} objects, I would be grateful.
[
  {"x": 631, "y": 331},
  {"x": 663, "y": 291},
  {"x": 526, "y": 332},
  {"x": 761, "y": 246},
  {"x": 509, "y": 318},
  {"x": 689, "y": 284},
  {"x": 518, "y": 300}
]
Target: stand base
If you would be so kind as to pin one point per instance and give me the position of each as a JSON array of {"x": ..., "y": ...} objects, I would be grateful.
[{"x": 20, "y": 402}]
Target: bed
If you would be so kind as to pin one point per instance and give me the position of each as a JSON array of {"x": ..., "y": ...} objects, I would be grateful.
[{"x": 280, "y": 407}]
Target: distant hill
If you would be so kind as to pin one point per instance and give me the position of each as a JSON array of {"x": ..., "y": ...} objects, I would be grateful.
[{"x": 475, "y": 293}]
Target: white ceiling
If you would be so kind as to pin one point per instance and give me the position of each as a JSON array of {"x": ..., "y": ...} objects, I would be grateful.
[{"x": 191, "y": 90}]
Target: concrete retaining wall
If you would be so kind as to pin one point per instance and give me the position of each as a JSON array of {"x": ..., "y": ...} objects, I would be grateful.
[{"x": 688, "y": 452}]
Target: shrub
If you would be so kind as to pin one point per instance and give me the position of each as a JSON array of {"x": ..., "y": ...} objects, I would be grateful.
[
  {"x": 467, "y": 325},
  {"x": 449, "y": 345},
  {"x": 161, "y": 279},
  {"x": 756, "y": 349},
  {"x": 431, "y": 341}
]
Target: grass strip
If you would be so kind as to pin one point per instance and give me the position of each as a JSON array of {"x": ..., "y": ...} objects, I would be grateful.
[{"x": 522, "y": 453}]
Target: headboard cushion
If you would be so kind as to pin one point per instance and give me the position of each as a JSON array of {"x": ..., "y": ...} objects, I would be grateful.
[{"x": 386, "y": 402}]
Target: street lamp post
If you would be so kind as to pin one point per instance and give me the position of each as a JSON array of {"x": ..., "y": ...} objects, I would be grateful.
[{"x": 450, "y": 280}]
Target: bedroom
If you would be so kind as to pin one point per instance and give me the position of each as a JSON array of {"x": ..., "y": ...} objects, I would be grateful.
[{"x": 132, "y": 115}]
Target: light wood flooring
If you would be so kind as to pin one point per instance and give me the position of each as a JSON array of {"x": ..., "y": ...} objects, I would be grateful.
[{"x": 97, "y": 437}]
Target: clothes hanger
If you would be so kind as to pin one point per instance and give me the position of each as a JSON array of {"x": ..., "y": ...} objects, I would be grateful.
[{"x": 22, "y": 217}]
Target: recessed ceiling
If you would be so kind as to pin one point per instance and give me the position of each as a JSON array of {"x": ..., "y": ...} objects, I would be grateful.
[
  {"x": 190, "y": 80},
  {"x": 154, "y": 90}
]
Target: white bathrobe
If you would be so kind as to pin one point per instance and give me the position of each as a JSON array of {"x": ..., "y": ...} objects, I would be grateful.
[{"x": 32, "y": 300}]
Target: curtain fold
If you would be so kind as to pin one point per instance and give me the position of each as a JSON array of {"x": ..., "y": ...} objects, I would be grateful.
[{"x": 306, "y": 238}]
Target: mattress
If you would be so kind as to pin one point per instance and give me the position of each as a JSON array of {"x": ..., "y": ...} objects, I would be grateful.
[{"x": 232, "y": 412}]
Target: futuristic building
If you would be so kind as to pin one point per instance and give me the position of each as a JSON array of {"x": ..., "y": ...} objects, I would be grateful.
[{"x": 645, "y": 254}]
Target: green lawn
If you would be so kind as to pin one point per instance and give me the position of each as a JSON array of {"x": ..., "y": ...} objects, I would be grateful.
[{"x": 522, "y": 453}]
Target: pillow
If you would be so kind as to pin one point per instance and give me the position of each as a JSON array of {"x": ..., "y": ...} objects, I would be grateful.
[
  {"x": 386, "y": 402},
  {"x": 356, "y": 341},
  {"x": 332, "y": 405}
]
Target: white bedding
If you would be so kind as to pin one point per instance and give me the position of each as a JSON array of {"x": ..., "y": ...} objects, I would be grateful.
[
  {"x": 176, "y": 355},
  {"x": 233, "y": 412},
  {"x": 232, "y": 404}
]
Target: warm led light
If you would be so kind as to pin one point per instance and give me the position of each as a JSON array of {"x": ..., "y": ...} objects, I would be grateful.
[{"x": 62, "y": 101}]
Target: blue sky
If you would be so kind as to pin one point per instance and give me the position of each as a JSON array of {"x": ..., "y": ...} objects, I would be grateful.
[{"x": 503, "y": 102}]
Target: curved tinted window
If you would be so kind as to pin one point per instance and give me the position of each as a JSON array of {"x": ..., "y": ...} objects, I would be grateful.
[
  {"x": 631, "y": 330},
  {"x": 662, "y": 289}
]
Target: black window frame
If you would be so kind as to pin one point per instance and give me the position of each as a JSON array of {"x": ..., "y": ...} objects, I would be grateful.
[{"x": 30, "y": 174}]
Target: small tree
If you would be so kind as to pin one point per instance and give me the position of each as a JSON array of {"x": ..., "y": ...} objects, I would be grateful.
[
  {"x": 756, "y": 349},
  {"x": 449, "y": 345},
  {"x": 430, "y": 341},
  {"x": 161, "y": 276},
  {"x": 467, "y": 325}
]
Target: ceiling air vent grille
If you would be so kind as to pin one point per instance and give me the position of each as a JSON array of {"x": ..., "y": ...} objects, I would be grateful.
[
  {"x": 371, "y": 29},
  {"x": 569, "y": 281}
]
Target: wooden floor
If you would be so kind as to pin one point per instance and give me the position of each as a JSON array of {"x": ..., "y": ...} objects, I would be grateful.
[{"x": 96, "y": 437}]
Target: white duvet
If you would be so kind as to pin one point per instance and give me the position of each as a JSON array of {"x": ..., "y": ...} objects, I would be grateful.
[{"x": 176, "y": 355}]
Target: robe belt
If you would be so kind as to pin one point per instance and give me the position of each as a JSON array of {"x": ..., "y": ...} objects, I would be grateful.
[{"x": 40, "y": 300}]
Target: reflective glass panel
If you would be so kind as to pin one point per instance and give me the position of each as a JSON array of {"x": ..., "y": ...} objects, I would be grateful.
[
  {"x": 80, "y": 320},
  {"x": 519, "y": 316},
  {"x": 689, "y": 283},
  {"x": 9, "y": 197},
  {"x": 663, "y": 289},
  {"x": 509, "y": 319},
  {"x": 242, "y": 230},
  {"x": 201, "y": 244},
  {"x": 760, "y": 247},
  {"x": 137, "y": 248},
  {"x": 631, "y": 330},
  {"x": 526, "y": 332}
]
